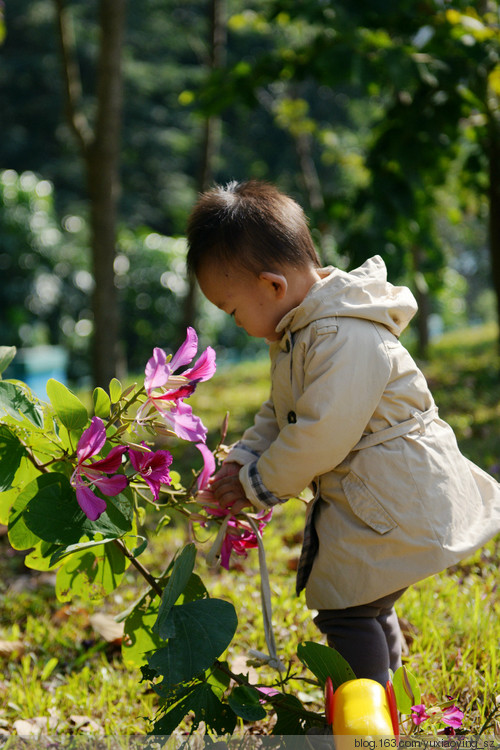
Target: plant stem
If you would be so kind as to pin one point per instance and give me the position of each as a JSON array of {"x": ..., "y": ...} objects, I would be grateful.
[
  {"x": 126, "y": 406},
  {"x": 140, "y": 567},
  {"x": 275, "y": 700}
]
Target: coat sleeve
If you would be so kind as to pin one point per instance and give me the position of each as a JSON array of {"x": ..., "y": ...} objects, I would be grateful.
[
  {"x": 256, "y": 439},
  {"x": 345, "y": 375}
]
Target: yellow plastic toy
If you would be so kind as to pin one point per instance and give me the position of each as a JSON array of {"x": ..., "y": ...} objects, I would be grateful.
[{"x": 361, "y": 708}]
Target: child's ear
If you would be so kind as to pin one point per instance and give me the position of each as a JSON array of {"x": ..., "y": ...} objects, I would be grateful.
[{"x": 276, "y": 281}]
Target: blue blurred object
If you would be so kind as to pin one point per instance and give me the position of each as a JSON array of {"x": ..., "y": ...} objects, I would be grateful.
[{"x": 36, "y": 365}]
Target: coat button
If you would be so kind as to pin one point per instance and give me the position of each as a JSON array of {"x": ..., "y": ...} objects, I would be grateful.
[{"x": 292, "y": 417}]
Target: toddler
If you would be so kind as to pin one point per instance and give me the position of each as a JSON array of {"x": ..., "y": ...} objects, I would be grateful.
[{"x": 349, "y": 415}]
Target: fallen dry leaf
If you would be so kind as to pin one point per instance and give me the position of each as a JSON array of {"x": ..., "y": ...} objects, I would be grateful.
[
  {"x": 11, "y": 648},
  {"x": 107, "y": 627},
  {"x": 239, "y": 666},
  {"x": 37, "y": 725},
  {"x": 85, "y": 724}
]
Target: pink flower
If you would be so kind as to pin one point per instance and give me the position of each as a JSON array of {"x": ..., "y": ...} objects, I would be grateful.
[
  {"x": 453, "y": 717},
  {"x": 91, "y": 442},
  {"x": 269, "y": 692},
  {"x": 238, "y": 539},
  {"x": 239, "y": 536},
  {"x": 418, "y": 714},
  {"x": 183, "y": 422},
  {"x": 153, "y": 468},
  {"x": 166, "y": 391},
  {"x": 208, "y": 466}
]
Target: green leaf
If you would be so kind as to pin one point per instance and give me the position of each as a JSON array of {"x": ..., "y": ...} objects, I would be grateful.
[
  {"x": 7, "y": 354},
  {"x": 49, "y": 668},
  {"x": 406, "y": 690},
  {"x": 194, "y": 590},
  {"x": 40, "y": 558},
  {"x": 218, "y": 680},
  {"x": 91, "y": 574},
  {"x": 293, "y": 719},
  {"x": 102, "y": 403},
  {"x": 24, "y": 475},
  {"x": 54, "y": 515},
  {"x": 203, "y": 630},
  {"x": 115, "y": 390},
  {"x": 14, "y": 402},
  {"x": 139, "y": 636},
  {"x": 11, "y": 453},
  {"x": 324, "y": 662},
  {"x": 137, "y": 552},
  {"x": 20, "y": 536},
  {"x": 244, "y": 700},
  {"x": 60, "y": 551},
  {"x": 67, "y": 406},
  {"x": 206, "y": 707},
  {"x": 180, "y": 575}
]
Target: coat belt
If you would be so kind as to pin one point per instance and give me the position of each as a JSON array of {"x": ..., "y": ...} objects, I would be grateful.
[{"x": 418, "y": 421}]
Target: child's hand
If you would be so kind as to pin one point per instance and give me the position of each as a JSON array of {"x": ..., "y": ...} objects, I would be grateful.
[
  {"x": 229, "y": 468},
  {"x": 227, "y": 488}
]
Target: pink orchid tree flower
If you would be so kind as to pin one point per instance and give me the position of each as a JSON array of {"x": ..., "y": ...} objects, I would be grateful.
[
  {"x": 166, "y": 390},
  {"x": 453, "y": 717},
  {"x": 238, "y": 539},
  {"x": 239, "y": 536},
  {"x": 152, "y": 467},
  {"x": 93, "y": 473},
  {"x": 208, "y": 466},
  {"x": 419, "y": 714}
]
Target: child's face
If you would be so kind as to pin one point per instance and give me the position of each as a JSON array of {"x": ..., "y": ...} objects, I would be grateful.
[{"x": 252, "y": 300}]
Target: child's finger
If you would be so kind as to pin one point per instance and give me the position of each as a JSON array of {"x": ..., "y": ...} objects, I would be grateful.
[
  {"x": 227, "y": 497},
  {"x": 219, "y": 485}
]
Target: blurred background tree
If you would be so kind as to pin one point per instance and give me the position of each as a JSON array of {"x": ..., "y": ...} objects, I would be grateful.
[{"x": 382, "y": 119}]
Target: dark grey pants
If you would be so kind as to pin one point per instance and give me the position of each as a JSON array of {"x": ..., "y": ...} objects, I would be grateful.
[{"x": 367, "y": 636}]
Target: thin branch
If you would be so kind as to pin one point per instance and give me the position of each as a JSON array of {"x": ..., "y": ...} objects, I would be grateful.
[
  {"x": 73, "y": 88},
  {"x": 140, "y": 567}
]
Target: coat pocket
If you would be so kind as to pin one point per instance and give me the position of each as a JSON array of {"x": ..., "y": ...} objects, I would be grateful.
[{"x": 365, "y": 505}]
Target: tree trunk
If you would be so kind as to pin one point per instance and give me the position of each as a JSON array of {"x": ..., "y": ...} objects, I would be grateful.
[
  {"x": 100, "y": 150},
  {"x": 104, "y": 185},
  {"x": 211, "y": 131},
  {"x": 494, "y": 209}
]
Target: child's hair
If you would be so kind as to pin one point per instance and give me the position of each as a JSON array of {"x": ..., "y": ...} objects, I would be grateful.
[{"x": 251, "y": 225}]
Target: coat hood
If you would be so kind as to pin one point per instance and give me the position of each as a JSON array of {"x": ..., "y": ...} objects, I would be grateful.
[{"x": 361, "y": 293}]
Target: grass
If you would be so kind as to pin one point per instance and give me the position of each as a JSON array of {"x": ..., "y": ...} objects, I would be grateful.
[{"x": 63, "y": 671}]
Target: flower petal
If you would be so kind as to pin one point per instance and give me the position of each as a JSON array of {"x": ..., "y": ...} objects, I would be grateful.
[
  {"x": 453, "y": 717},
  {"x": 186, "y": 351},
  {"x": 153, "y": 468},
  {"x": 91, "y": 505},
  {"x": 225, "y": 552},
  {"x": 419, "y": 714},
  {"x": 185, "y": 424},
  {"x": 138, "y": 459},
  {"x": 91, "y": 440},
  {"x": 157, "y": 370},
  {"x": 208, "y": 466},
  {"x": 111, "y": 462},
  {"x": 204, "y": 366},
  {"x": 183, "y": 392},
  {"x": 111, "y": 485}
]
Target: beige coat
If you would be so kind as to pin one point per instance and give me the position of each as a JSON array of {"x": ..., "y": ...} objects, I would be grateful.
[{"x": 350, "y": 412}]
